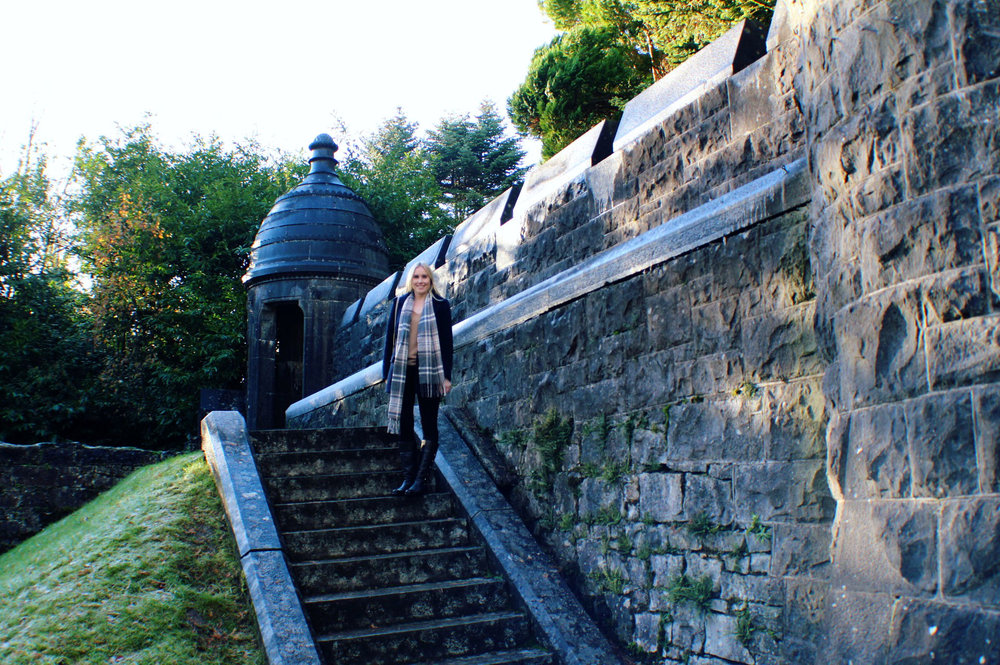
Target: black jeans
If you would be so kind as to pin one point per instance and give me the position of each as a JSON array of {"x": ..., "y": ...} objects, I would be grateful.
[{"x": 428, "y": 412}]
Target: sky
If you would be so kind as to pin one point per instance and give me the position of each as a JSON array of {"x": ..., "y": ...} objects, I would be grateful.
[{"x": 277, "y": 72}]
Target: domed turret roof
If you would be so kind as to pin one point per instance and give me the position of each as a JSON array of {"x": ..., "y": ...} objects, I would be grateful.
[{"x": 320, "y": 227}]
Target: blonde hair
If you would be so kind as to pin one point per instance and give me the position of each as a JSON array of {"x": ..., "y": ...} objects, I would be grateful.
[{"x": 430, "y": 273}]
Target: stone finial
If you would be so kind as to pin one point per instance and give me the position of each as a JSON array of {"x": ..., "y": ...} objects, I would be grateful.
[{"x": 322, "y": 158}]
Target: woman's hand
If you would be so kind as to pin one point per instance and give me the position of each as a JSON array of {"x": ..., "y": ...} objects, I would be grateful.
[{"x": 447, "y": 386}]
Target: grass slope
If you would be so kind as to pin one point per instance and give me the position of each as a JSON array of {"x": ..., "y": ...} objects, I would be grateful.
[{"x": 145, "y": 573}]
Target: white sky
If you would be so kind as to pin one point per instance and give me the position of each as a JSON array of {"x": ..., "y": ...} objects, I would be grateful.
[{"x": 277, "y": 71}]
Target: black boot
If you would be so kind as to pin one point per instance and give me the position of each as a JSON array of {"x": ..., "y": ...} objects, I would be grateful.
[
  {"x": 427, "y": 453},
  {"x": 409, "y": 472}
]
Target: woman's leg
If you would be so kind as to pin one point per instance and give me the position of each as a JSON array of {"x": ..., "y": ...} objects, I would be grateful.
[
  {"x": 429, "y": 421},
  {"x": 408, "y": 449}
]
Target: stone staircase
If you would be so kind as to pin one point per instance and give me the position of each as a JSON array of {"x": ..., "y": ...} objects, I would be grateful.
[{"x": 383, "y": 579}]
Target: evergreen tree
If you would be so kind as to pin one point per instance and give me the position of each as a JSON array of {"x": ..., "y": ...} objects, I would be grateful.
[
  {"x": 609, "y": 52},
  {"x": 391, "y": 172},
  {"x": 582, "y": 77},
  {"x": 473, "y": 160}
]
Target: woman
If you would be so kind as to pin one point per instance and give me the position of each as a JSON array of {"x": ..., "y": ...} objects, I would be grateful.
[{"x": 416, "y": 366}]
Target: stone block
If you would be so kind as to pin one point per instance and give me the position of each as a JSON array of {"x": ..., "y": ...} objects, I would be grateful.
[
  {"x": 661, "y": 496},
  {"x": 782, "y": 491},
  {"x": 878, "y": 460},
  {"x": 379, "y": 295},
  {"x": 805, "y": 605},
  {"x": 970, "y": 550},
  {"x": 781, "y": 344},
  {"x": 931, "y": 234},
  {"x": 887, "y": 546},
  {"x": 957, "y": 294},
  {"x": 796, "y": 417},
  {"x": 880, "y": 351},
  {"x": 857, "y": 627},
  {"x": 665, "y": 567},
  {"x": 976, "y": 30},
  {"x": 597, "y": 495},
  {"x": 964, "y": 352},
  {"x": 986, "y": 405},
  {"x": 668, "y": 318},
  {"x": 708, "y": 497},
  {"x": 942, "y": 445},
  {"x": 923, "y": 631},
  {"x": 800, "y": 549},
  {"x": 720, "y": 639},
  {"x": 759, "y": 588},
  {"x": 948, "y": 141}
]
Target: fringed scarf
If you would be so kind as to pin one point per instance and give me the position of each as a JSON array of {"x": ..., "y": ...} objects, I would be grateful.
[{"x": 429, "y": 364}]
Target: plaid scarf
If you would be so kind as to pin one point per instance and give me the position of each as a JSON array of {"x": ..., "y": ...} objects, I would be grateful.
[{"x": 429, "y": 364}]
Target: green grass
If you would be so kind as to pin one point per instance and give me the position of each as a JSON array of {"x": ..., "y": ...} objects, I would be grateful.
[{"x": 146, "y": 573}]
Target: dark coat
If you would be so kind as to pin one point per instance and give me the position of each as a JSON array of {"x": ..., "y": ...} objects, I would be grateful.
[{"x": 442, "y": 315}]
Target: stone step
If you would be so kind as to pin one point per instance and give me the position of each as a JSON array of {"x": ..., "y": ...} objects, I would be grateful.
[
  {"x": 296, "y": 440},
  {"x": 426, "y": 641},
  {"x": 416, "y": 602},
  {"x": 375, "y": 539},
  {"x": 389, "y": 570},
  {"x": 511, "y": 657},
  {"x": 354, "y": 512},
  {"x": 337, "y": 486},
  {"x": 327, "y": 462}
]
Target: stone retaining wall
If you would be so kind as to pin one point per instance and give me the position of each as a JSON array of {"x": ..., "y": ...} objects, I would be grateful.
[
  {"x": 42, "y": 483},
  {"x": 781, "y": 446}
]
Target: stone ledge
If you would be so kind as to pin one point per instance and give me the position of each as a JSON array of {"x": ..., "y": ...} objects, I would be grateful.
[
  {"x": 554, "y": 610},
  {"x": 282, "y": 623}
]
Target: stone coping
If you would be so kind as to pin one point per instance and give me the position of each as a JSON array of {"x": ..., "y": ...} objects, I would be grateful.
[
  {"x": 281, "y": 620},
  {"x": 781, "y": 190},
  {"x": 556, "y": 613}
]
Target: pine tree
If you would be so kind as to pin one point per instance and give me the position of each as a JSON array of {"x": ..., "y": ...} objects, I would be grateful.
[{"x": 473, "y": 160}]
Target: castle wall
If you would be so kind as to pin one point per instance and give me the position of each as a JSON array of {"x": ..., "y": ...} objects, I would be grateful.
[{"x": 802, "y": 412}]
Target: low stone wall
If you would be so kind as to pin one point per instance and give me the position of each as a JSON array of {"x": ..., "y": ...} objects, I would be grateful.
[{"x": 42, "y": 483}]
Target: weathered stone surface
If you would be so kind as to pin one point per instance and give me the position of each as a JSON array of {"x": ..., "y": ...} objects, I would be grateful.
[
  {"x": 923, "y": 631},
  {"x": 976, "y": 26},
  {"x": 805, "y": 608},
  {"x": 878, "y": 463},
  {"x": 964, "y": 352},
  {"x": 782, "y": 491},
  {"x": 986, "y": 403},
  {"x": 800, "y": 550},
  {"x": 857, "y": 627},
  {"x": 970, "y": 549},
  {"x": 887, "y": 546},
  {"x": 961, "y": 154},
  {"x": 931, "y": 234},
  {"x": 709, "y": 498},
  {"x": 720, "y": 631},
  {"x": 892, "y": 367},
  {"x": 942, "y": 445},
  {"x": 661, "y": 496}
]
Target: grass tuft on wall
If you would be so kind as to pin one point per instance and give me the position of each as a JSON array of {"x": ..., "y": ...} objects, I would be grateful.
[{"x": 147, "y": 573}]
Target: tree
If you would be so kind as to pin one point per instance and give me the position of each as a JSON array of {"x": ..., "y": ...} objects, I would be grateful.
[
  {"x": 45, "y": 352},
  {"x": 473, "y": 160},
  {"x": 570, "y": 87},
  {"x": 582, "y": 77},
  {"x": 166, "y": 237},
  {"x": 390, "y": 170}
]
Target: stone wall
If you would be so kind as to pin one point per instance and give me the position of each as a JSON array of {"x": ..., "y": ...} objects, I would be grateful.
[
  {"x": 42, "y": 483},
  {"x": 903, "y": 108},
  {"x": 779, "y": 446}
]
